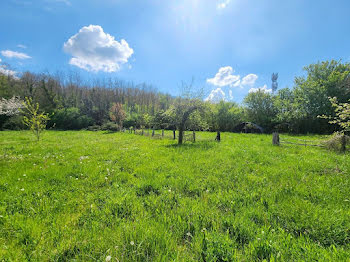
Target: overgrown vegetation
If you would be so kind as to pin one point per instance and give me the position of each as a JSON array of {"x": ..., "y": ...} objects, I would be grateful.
[
  {"x": 77, "y": 105},
  {"x": 84, "y": 196}
]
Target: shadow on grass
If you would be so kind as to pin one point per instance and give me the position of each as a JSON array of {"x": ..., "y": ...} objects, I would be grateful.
[{"x": 191, "y": 145}]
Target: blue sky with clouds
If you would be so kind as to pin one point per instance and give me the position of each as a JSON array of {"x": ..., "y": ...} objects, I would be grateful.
[{"x": 230, "y": 47}]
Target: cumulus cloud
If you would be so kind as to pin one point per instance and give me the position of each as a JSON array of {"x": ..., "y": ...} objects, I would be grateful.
[
  {"x": 223, "y": 4},
  {"x": 263, "y": 89},
  {"x": 216, "y": 95},
  {"x": 249, "y": 80},
  {"x": 94, "y": 50},
  {"x": 224, "y": 77},
  {"x": 14, "y": 54}
]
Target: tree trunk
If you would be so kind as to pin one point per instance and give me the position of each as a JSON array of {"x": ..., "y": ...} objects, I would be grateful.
[
  {"x": 181, "y": 135},
  {"x": 162, "y": 132},
  {"x": 218, "y": 136},
  {"x": 174, "y": 133},
  {"x": 194, "y": 136},
  {"x": 343, "y": 143},
  {"x": 275, "y": 139}
]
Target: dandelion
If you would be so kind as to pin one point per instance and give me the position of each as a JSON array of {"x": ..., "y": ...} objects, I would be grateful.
[
  {"x": 132, "y": 243},
  {"x": 108, "y": 258},
  {"x": 22, "y": 189}
]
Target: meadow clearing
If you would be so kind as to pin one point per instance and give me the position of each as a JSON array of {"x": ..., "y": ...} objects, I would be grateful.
[{"x": 99, "y": 196}]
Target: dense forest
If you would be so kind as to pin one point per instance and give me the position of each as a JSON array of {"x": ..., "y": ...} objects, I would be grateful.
[{"x": 73, "y": 104}]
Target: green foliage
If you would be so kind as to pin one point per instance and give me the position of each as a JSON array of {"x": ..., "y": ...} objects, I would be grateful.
[
  {"x": 224, "y": 116},
  {"x": 70, "y": 119},
  {"x": 260, "y": 109},
  {"x": 32, "y": 118},
  {"x": 110, "y": 126},
  {"x": 84, "y": 196},
  {"x": 342, "y": 114}
]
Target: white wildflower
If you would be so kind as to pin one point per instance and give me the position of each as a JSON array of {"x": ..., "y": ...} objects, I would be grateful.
[{"x": 108, "y": 258}]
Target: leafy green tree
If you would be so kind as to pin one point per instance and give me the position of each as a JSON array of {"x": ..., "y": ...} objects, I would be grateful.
[
  {"x": 311, "y": 92},
  {"x": 342, "y": 114},
  {"x": 180, "y": 114},
  {"x": 224, "y": 116},
  {"x": 33, "y": 119},
  {"x": 260, "y": 109}
]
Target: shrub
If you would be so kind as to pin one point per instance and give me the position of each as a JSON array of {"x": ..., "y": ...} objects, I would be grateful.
[
  {"x": 70, "y": 119},
  {"x": 110, "y": 126},
  {"x": 336, "y": 141}
]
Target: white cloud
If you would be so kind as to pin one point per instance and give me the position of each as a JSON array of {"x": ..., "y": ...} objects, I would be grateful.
[
  {"x": 14, "y": 54},
  {"x": 263, "y": 89},
  {"x": 94, "y": 50},
  {"x": 21, "y": 46},
  {"x": 4, "y": 70},
  {"x": 223, "y": 4},
  {"x": 230, "y": 94},
  {"x": 216, "y": 95},
  {"x": 224, "y": 77},
  {"x": 249, "y": 80}
]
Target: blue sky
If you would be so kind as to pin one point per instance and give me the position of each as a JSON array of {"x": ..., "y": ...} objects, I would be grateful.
[{"x": 230, "y": 47}]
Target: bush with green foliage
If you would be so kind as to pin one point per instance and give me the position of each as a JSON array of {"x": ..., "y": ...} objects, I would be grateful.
[{"x": 70, "y": 119}]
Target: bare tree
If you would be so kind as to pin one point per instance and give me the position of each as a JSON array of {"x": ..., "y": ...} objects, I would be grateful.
[{"x": 117, "y": 114}]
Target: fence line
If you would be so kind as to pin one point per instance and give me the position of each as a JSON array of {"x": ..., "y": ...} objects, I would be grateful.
[{"x": 276, "y": 140}]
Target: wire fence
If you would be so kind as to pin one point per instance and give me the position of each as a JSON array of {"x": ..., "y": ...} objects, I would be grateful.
[{"x": 277, "y": 140}]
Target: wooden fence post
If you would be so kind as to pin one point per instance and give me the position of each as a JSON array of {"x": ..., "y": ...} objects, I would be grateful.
[
  {"x": 194, "y": 136},
  {"x": 343, "y": 143},
  {"x": 275, "y": 139}
]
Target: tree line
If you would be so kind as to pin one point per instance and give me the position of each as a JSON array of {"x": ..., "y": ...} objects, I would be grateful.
[{"x": 113, "y": 104}]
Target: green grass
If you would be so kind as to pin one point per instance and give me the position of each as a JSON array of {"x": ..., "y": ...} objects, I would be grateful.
[{"x": 84, "y": 196}]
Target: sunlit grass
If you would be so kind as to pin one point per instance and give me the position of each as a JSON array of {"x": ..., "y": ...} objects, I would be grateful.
[{"x": 89, "y": 195}]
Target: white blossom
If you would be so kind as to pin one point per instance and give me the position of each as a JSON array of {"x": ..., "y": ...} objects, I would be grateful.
[{"x": 10, "y": 107}]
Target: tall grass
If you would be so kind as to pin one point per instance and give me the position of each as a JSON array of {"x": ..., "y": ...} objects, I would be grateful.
[{"x": 85, "y": 196}]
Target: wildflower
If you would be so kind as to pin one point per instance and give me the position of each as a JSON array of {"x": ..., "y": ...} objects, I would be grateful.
[
  {"x": 108, "y": 258},
  {"x": 106, "y": 178},
  {"x": 22, "y": 189},
  {"x": 132, "y": 243},
  {"x": 24, "y": 175}
]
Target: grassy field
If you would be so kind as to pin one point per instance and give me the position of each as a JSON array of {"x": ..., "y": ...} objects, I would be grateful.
[{"x": 85, "y": 196}]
